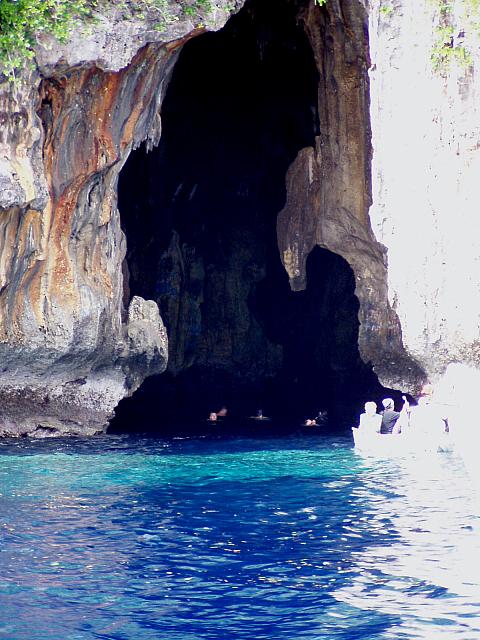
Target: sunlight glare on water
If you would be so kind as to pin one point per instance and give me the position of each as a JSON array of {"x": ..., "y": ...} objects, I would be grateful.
[{"x": 298, "y": 538}]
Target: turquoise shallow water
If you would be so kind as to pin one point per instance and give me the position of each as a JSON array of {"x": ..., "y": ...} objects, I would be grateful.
[{"x": 298, "y": 538}]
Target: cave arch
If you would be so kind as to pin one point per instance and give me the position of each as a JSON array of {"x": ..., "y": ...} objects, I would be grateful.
[
  {"x": 200, "y": 216},
  {"x": 318, "y": 329}
]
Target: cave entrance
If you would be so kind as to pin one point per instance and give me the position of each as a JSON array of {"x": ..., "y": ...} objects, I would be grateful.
[
  {"x": 318, "y": 331},
  {"x": 199, "y": 212}
]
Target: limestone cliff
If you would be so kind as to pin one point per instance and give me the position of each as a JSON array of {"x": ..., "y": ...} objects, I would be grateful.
[
  {"x": 69, "y": 350},
  {"x": 426, "y": 166},
  {"x": 392, "y": 183},
  {"x": 329, "y": 190},
  {"x": 388, "y": 182}
]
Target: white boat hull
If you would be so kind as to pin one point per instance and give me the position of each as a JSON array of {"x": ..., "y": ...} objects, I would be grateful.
[{"x": 398, "y": 444}]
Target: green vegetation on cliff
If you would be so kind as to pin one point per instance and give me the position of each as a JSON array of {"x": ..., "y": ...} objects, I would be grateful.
[
  {"x": 458, "y": 26},
  {"x": 23, "y": 21}
]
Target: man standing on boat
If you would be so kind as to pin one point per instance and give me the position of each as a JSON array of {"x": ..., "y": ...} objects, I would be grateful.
[
  {"x": 391, "y": 419},
  {"x": 429, "y": 424}
]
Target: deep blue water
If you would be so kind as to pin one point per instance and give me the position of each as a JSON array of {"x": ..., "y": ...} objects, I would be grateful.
[{"x": 296, "y": 538}]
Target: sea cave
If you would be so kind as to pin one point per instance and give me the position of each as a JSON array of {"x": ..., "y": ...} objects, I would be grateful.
[{"x": 200, "y": 216}]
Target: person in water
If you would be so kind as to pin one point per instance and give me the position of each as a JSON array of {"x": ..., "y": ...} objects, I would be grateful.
[
  {"x": 392, "y": 421},
  {"x": 370, "y": 421},
  {"x": 319, "y": 421},
  {"x": 222, "y": 413},
  {"x": 322, "y": 418},
  {"x": 259, "y": 415},
  {"x": 212, "y": 417}
]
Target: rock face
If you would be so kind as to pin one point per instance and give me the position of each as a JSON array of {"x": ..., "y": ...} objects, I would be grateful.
[
  {"x": 75, "y": 337},
  {"x": 411, "y": 241},
  {"x": 69, "y": 349},
  {"x": 328, "y": 188},
  {"x": 426, "y": 164}
]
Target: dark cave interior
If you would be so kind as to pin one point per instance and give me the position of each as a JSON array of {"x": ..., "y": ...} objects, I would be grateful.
[{"x": 199, "y": 213}]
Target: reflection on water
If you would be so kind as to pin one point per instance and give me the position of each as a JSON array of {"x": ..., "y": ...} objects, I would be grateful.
[
  {"x": 431, "y": 570},
  {"x": 298, "y": 538}
]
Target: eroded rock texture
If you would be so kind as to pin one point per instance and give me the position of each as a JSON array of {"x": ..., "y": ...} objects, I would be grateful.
[
  {"x": 328, "y": 187},
  {"x": 69, "y": 349},
  {"x": 426, "y": 168}
]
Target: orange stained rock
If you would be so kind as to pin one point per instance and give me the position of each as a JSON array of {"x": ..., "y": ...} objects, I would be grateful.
[{"x": 82, "y": 141}]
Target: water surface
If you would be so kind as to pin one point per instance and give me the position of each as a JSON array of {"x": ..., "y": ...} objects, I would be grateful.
[{"x": 297, "y": 538}]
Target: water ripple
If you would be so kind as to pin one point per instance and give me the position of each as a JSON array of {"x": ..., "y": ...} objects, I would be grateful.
[{"x": 127, "y": 538}]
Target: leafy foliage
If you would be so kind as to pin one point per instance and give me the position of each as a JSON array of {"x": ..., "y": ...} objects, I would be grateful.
[
  {"x": 195, "y": 7},
  {"x": 162, "y": 10},
  {"x": 22, "y": 20},
  {"x": 452, "y": 34},
  {"x": 386, "y": 9}
]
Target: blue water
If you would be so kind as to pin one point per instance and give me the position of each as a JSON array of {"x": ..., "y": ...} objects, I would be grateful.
[{"x": 298, "y": 538}]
